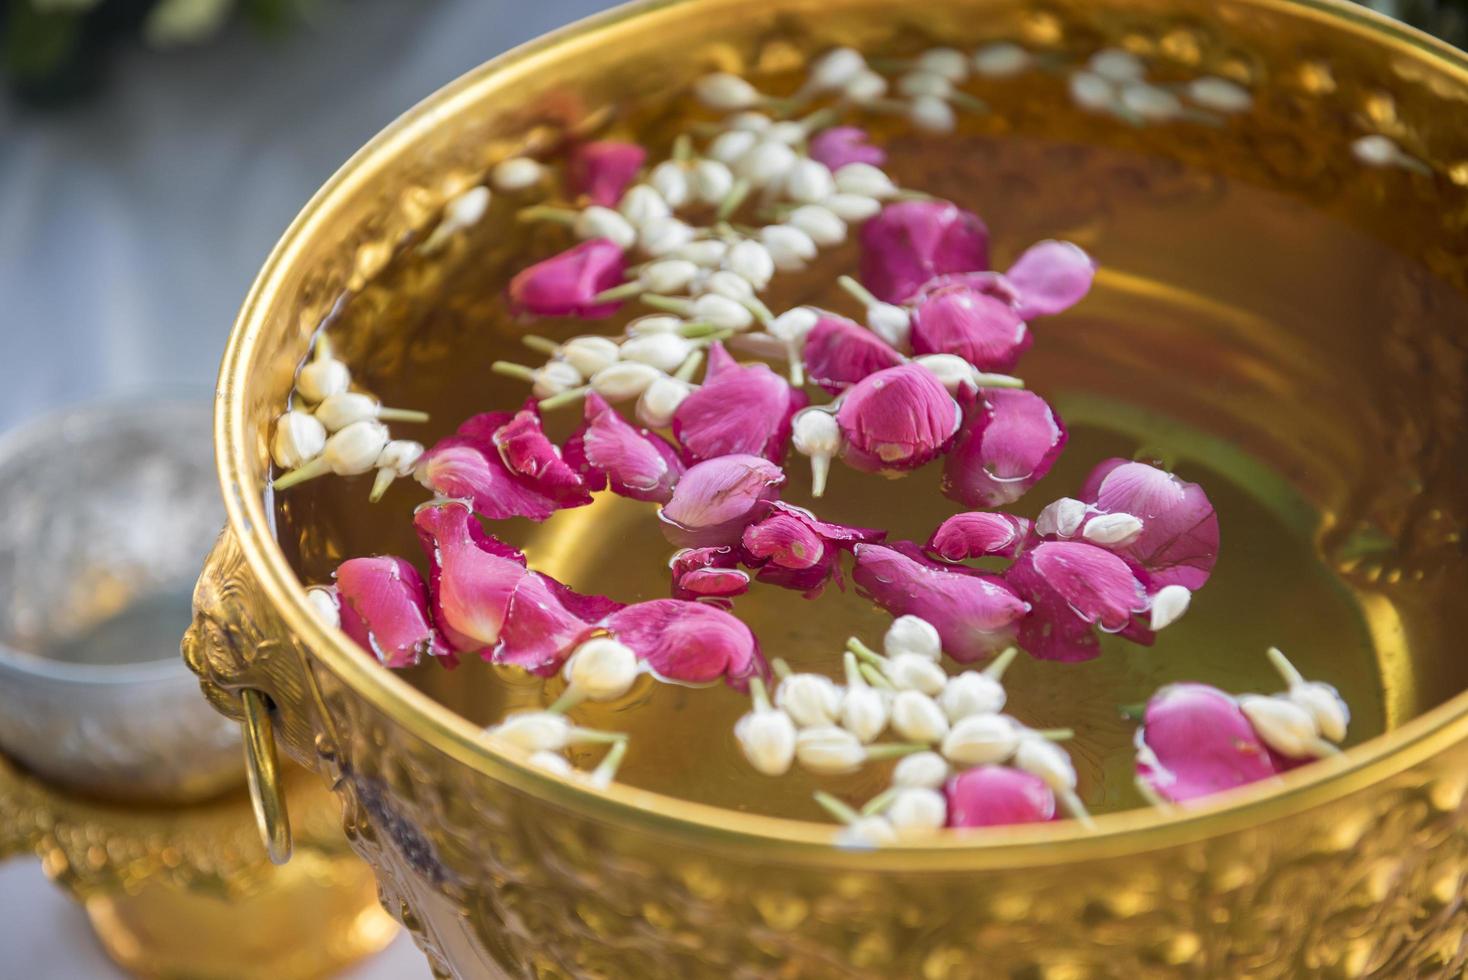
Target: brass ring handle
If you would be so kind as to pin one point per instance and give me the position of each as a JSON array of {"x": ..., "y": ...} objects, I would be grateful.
[{"x": 262, "y": 771}]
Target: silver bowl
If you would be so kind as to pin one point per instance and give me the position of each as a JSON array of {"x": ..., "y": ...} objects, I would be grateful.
[{"x": 105, "y": 514}]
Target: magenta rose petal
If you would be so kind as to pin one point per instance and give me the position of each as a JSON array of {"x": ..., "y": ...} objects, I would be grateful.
[
  {"x": 384, "y": 608},
  {"x": 838, "y": 353},
  {"x": 998, "y": 796},
  {"x": 739, "y": 409},
  {"x": 979, "y": 534},
  {"x": 466, "y": 468},
  {"x": 1178, "y": 544},
  {"x": 910, "y": 242},
  {"x": 608, "y": 450},
  {"x": 566, "y": 284},
  {"x": 1073, "y": 586},
  {"x": 1050, "y": 277},
  {"x": 897, "y": 419},
  {"x": 1195, "y": 741},
  {"x": 688, "y": 642},
  {"x": 472, "y": 575},
  {"x": 602, "y": 170},
  {"x": 976, "y": 614},
  {"x": 840, "y": 145},
  {"x": 708, "y": 573},
  {"x": 528, "y": 453},
  {"x": 794, "y": 549},
  {"x": 539, "y": 631},
  {"x": 985, "y": 331},
  {"x": 717, "y": 499},
  {"x": 1009, "y": 441}
]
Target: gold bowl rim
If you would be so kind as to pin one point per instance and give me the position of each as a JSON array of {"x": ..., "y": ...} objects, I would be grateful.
[{"x": 440, "y": 728}]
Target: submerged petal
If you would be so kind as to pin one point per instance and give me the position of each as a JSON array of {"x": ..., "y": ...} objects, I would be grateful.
[
  {"x": 384, "y": 607},
  {"x": 1051, "y": 276},
  {"x": 1073, "y": 586},
  {"x": 602, "y": 169},
  {"x": 896, "y": 419},
  {"x": 1009, "y": 441},
  {"x": 1178, "y": 544},
  {"x": 472, "y": 575},
  {"x": 978, "y": 535},
  {"x": 838, "y": 353},
  {"x": 739, "y": 409},
  {"x": 688, "y": 642},
  {"x": 985, "y": 331},
  {"x": 717, "y": 499},
  {"x": 910, "y": 242},
  {"x": 1195, "y": 741},
  {"x": 565, "y": 284},
  {"x": 996, "y": 796},
  {"x": 975, "y": 613},
  {"x": 636, "y": 463}
]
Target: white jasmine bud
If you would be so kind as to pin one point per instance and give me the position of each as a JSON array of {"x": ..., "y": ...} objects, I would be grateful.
[
  {"x": 981, "y": 740},
  {"x": 721, "y": 311},
  {"x": 1168, "y": 606},
  {"x": 1001, "y": 60},
  {"x": 553, "y": 378},
  {"x": 462, "y": 211},
  {"x": 516, "y": 174},
  {"x": 890, "y": 322},
  {"x": 924, "y": 84},
  {"x": 1284, "y": 726},
  {"x": 625, "y": 379},
  {"x": 662, "y": 236},
  {"x": 917, "y": 810},
  {"x": 809, "y": 181},
  {"x": 712, "y": 180},
  {"x": 971, "y": 693},
  {"x": 864, "y": 712},
  {"x": 915, "y": 672},
  {"x": 917, "y": 717},
  {"x": 1092, "y": 92},
  {"x": 535, "y": 731},
  {"x": 670, "y": 180},
  {"x": 1377, "y": 151},
  {"x": 325, "y": 605},
  {"x": 767, "y": 164},
  {"x": 664, "y": 351},
  {"x": 1116, "y": 65},
  {"x": 852, "y": 207},
  {"x": 1115, "y": 529},
  {"x": 828, "y": 750},
  {"x": 589, "y": 354},
  {"x": 823, "y": 227},
  {"x": 1219, "y": 94},
  {"x": 815, "y": 434},
  {"x": 354, "y": 449},
  {"x": 953, "y": 371},
  {"x": 787, "y": 132},
  {"x": 865, "y": 832},
  {"x": 552, "y": 762},
  {"x": 730, "y": 285},
  {"x": 790, "y": 247},
  {"x": 754, "y": 122},
  {"x": 946, "y": 62},
  {"x": 599, "y": 222},
  {"x": 640, "y": 204},
  {"x": 341, "y": 410},
  {"x": 299, "y": 438},
  {"x": 729, "y": 146},
  {"x": 1322, "y": 702},
  {"x": 1061, "y": 518},
  {"x": 767, "y": 738},
  {"x": 864, "y": 180},
  {"x": 400, "y": 456},
  {"x": 602, "y": 669},
  {"x": 1150, "y": 101},
  {"x": 657, "y": 405},
  {"x": 322, "y": 378},
  {"x": 915, "y": 635},
  {"x": 810, "y": 699},
  {"x": 835, "y": 69},
  {"x": 726, "y": 92},
  {"x": 921, "y": 770},
  {"x": 752, "y": 260},
  {"x": 931, "y": 114},
  {"x": 794, "y": 324},
  {"x": 1041, "y": 757},
  {"x": 865, "y": 87},
  {"x": 645, "y": 326},
  {"x": 667, "y": 275}
]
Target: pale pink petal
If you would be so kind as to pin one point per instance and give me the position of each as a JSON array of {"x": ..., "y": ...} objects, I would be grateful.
[
  {"x": 998, "y": 796},
  {"x": 1050, "y": 277},
  {"x": 466, "y": 468},
  {"x": 984, "y": 331},
  {"x": 739, "y": 409},
  {"x": 384, "y": 608},
  {"x": 838, "y": 353},
  {"x": 987, "y": 282},
  {"x": 840, "y": 145},
  {"x": 978, "y": 535},
  {"x": 689, "y": 642},
  {"x": 472, "y": 575},
  {"x": 1009, "y": 441},
  {"x": 608, "y": 450},
  {"x": 897, "y": 419},
  {"x": 1195, "y": 741},
  {"x": 1072, "y": 587},
  {"x": 975, "y": 613},
  {"x": 716, "y": 500},
  {"x": 602, "y": 170},
  {"x": 565, "y": 284},
  {"x": 1179, "y": 540},
  {"x": 539, "y": 631},
  {"x": 910, "y": 242}
]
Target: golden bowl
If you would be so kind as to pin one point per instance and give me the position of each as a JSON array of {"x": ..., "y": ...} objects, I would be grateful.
[{"x": 1354, "y": 866}]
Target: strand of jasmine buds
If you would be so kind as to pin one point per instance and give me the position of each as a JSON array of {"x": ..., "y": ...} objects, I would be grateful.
[{"x": 344, "y": 433}]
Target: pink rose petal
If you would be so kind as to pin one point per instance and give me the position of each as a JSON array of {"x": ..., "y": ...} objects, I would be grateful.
[
  {"x": 794, "y": 549},
  {"x": 565, "y": 284},
  {"x": 1051, "y": 277},
  {"x": 540, "y": 631},
  {"x": 739, "y": 409},
  {"x": 1179, "y": 540},
  {"x": 635, "y": 462},
  {"x": 975, "y": 613},
  {"x": 530, "y": 455},
  {"x": 1195, "y": 741},
  {"x": 384, "y": 608},
  {"x": 896, "y": 419},
  {"x": 840, "y": 145},
  {"x": 602, "y": 170},
  {"x": 463, "y": 467},
  {"x": 978, "y": 535},
  {"x": 717, "y": 499},
  {"x": 1073, "y": 586},
  {"x": 997, "y": 796},
  {"x": 708, "y": 573},
  {"x": 984, "y": 331},
  {"x": 838, "y": 353},
  {"x": 1009, "y": 441},
  {"x": 688, "y": 642},
  {"x": 472, "y": 575},
  {"x": 910, "y": 242}
]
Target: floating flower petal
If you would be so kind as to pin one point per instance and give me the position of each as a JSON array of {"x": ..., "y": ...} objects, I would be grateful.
[
  {"x": 384, "y": 607},
  {"x": 1195, "y": 741},
  {"x": 985, "y": 331},
  {"x": 910, "y": 242},
  {"x": 473, "y": 576},
  {"x": 534, "y": 459},
  {"x": 601, "y": 170},
  {"x": 840, "y": 145},
  {"x": 1009, "y": 441},
  {"x": 1074, "y": 586},
  {"x": 566, "y": 284},
  {"x": 996, "y": 796},
  {"x": 794, "y": 549},
  {"x": 1178, "y": 544},
  {"x": 688, "y": 642},
  {"x": 607, "y": 450},
  {"x": 979, "y": 534},
  {"x": 897, "y": 419},
  {"x": 708, "y": 573},
  {"x": 739, "y": 409},
  {"x": 1050, "y": 277},
  {"x": 837, "y": 353},
  {"x": 467, "y": 468},
  {"x": 717, "y": 499}
]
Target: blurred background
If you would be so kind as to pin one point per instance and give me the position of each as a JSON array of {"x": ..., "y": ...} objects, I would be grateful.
[{"x": 151, "y": 152}]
